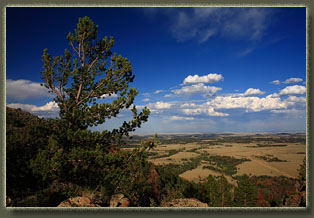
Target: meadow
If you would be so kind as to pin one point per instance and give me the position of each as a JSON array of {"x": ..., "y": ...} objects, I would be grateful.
[{"x": 229, "y": 154}]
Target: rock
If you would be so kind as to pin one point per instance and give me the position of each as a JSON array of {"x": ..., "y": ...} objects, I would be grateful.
[
  {"x": 185, "y": 202},
  {"x": 78, "y": 202},
  {"x": 118, "y": 200}
]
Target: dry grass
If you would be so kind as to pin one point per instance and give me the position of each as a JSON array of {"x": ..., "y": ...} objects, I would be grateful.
[
  {"x": 199, "y": 173},
  {"x": 176, "y": 158},
  {"x": 258, "y": 167}
]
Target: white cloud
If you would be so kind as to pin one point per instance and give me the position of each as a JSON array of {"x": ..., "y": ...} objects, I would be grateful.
[
  {"x": 162, "y": 105},
  {"x": 252, "y": 91},
  {"x": 188, "y": 105},
  {"x": 293, "y": 80},
  {"x": 181, "y": 118},
  {"x": 146, "y": 99},
  {"x": 246, "y": 22},
  {"x": 296, "y": 99},
  {"x": 293, "y": 90},
  {"x": 114, "y": 95},
  {"x": 254, "y": 104},
  {"x": 203, "y": 111},
  {"x": 210, "y": 78},
  {"x": 159, "y": 105},
  {"x": 288, "y": 111},
  {"x": 275, "y": 82},
  {"x": 195, "y": 89},
  {"x": 158, "y": 91},
  {"x": 274, "y": 95},
  {"x": 25, "y": 89},
  {"x": 47, "y": 110},
  {"x": 168, "y": 95},
  {"x": 201, "y": 23}
]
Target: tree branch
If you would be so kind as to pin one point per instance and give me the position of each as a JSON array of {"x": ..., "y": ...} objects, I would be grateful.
[
  {"x": 90, "y": 94},
  {"x": 74, "y": 48}
]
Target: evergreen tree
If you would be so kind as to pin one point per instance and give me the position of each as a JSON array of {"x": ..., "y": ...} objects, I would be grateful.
[
  {"x": 224, "y": 189},
  {"x": 74, "y": 154},
  {"x": 81, "y": 77},
  {"x": 216, "y": 191},
  {"x": 245, "y": 194},
  {"x": 209, "y": 191}
]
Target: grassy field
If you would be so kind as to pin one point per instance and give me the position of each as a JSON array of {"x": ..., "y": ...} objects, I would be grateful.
[{"x": 230, "y": 154}]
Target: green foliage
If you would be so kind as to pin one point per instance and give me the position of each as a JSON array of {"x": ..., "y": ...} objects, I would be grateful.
[
  {"x": 216, "y": 191},
  {"x": 270, "y": 158},
  {"x": 92, "y": 77},
  {"x": 25, "y": 133},
  {"x": 172, "y": 186},
  {"x": 302, "y": 171},
  {"x": 64, "y": 150},
  {"x": 245, "y": 194}
]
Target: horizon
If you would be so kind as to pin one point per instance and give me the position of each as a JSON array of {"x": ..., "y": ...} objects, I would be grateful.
[
  {"x": 198, "y": 69},
  {"x": 218, "y": 133}
]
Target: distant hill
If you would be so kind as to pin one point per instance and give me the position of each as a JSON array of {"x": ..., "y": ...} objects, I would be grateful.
[{"x": 17, "y": 119}]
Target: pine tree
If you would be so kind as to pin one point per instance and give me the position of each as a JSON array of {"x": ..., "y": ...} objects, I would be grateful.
[
  {"x": 245, "y": 194},
  {"x": 85, "y": 75},
  {"x": 224, "y": 191},
  {"x": 73, "y": 153}
]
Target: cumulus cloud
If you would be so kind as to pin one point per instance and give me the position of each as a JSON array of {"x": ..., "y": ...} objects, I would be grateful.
[
  {"x": 203, "y": 111},
  {"x": 159, "y": 105},
  {"x": 274, "y": 95},
  {"x": 293, "y": 90},
  {"x": 188, "y": 105},
  {"x": 252, "y": 91},
  {"x": 296, "y": 99},
  {"x": 254, "y": 104},
  {"x": 146, "y": 99},
  {"x": 162, "y": 105},
  {"x": 275, "y": 82},
  {"x": 47, "y": 110},
  {"x": 293, "y": 80},
  {"x": 287, "y": 81},
  {"x": 210, "y": 78},
  {"x": 25, "y": 89},
  {"x": 195, "y": 89},
  {"x": 222, "y": 106},
  {"x": 181, "y": 118}
]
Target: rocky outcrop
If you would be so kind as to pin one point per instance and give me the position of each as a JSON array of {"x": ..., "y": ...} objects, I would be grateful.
[
  {"x": 118, "y": 200},
  {"x": 185, "y": 202},
  {"x": 78, "y": 202}
]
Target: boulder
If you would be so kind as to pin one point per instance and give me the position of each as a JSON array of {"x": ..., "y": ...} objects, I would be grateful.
[
  {"x": 78, "y": 202},
  {"x": 118, "y": 200},
  {"x": 185, "y": 202}
]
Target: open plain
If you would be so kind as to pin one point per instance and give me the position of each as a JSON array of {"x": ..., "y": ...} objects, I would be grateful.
[{"x": 266, "y": 154}]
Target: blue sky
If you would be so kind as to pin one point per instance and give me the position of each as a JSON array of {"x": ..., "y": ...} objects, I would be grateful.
[{"x": 206, "y": 69}]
